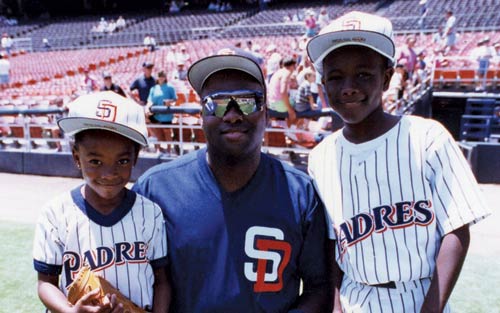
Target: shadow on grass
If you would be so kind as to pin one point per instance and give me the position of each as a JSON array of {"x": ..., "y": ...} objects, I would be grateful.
[{"x": 476, "y": 289}]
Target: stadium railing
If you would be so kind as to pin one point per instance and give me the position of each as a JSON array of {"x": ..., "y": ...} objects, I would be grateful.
[{"x": 21, "y": 133}]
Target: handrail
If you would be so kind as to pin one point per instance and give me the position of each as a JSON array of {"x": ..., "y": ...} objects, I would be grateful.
[{"x": 32, "y": 111}]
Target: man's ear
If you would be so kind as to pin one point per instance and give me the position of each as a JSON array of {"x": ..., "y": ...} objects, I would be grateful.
[{"x": 387, "y": 77}]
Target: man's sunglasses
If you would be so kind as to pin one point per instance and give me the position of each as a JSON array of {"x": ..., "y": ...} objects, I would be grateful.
[{"x": 248, "y": 101}]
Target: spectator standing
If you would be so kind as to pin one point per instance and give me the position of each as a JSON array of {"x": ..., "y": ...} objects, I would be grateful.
[
  {"x": 279, "y": 99},
  {"x": 420, "y": 68},
  {"x": 4, "y": 72},
  {"x": 450, "y": 32},
  {"x": 323, "y": 18},
  {"x": 310, "y": 23},
  {"x": 407, "y": 56},
  {"x": 46, "y": 44},
  {"x": 120, "y": 23},
  {"x": 273, "y": 61},
  {"x": 7, "y": 43},
  {"x": 304, "y": 100},
  {"x": 109, "y": 85},
  {"x": 141, "y": 85},
  {"x": 174, "y": 7},
  {"x": 162, "y": 94},
  {"x": 150, "y": 42},
  {"x": 483, "y": 54},
  {"x": 88, "y": 83},
  {"x": 182, "y": 56},
  {"x": 243, "y": 229},
  {"x": 423, "y": 14},
  {"x": 180, "y": 73}
]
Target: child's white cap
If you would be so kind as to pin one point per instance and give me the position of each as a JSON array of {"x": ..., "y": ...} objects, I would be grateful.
[
  {"x": 106, "y": 110},
  {"x": 353, "y": 29}
]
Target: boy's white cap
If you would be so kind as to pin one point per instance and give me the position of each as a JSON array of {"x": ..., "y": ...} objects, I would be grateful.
[
  {"x": 204, "y": 68},
  {"x": 354, "y": 28},
  {"x": 106, "y": 110}
]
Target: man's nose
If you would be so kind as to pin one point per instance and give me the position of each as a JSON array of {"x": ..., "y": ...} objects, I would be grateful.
[{"x": 232, "y": 115}]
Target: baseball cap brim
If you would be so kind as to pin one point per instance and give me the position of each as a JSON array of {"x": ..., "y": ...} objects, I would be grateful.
[
  {"x": 200, "y": 71},
  {"x": 74, "y": 125},
  {"x": 322, "y": 45}
]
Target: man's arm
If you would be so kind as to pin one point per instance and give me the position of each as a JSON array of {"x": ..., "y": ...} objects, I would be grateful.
[
  {"x": 315, "y": 267},
  {"x": 449, "y": 262}
]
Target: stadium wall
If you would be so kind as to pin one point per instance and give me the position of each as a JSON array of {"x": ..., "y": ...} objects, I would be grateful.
[{"x": 57, "y": 164}]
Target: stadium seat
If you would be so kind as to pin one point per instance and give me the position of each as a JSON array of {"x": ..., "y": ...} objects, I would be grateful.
[{"x": 467, "y": 78}]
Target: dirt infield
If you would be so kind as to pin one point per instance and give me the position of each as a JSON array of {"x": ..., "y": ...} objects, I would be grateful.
[{"x": 22, "y": 197}]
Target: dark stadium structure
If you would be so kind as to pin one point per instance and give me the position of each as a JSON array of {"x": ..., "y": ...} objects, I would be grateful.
[{"x": 46, "y": 74}]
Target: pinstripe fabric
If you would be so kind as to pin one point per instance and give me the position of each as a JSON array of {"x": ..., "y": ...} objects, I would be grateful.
[
  {"x": 390, "y": 201},
  {"x": 66, "y": 237}
]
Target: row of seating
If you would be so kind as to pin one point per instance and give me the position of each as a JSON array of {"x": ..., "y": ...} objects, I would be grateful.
[{"x": 173, "y": 28}]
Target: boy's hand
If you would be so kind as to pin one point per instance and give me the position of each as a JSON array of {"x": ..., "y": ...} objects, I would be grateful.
[{"x": 90, "y": 302}]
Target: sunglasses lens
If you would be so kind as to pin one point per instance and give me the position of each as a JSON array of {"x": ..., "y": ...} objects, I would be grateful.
[{"x": 217, "y": 104}]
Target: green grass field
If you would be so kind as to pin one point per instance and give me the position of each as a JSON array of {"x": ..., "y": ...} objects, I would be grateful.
[{"x": 476, "y": 290}]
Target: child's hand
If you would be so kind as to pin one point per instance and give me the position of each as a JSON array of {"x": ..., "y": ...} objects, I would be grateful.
[
  {"x": 91, "y": 303},
  {"x": 115, "y": 306}
]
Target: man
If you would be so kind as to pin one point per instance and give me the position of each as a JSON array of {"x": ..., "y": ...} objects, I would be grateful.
[
  {"x": 180, "y": 73},
  {"x": 482, "y": 54},
  {"x": 7, "y": 43},
  {"x": 88, "y": 82},
  {"x": 399, "y": 192},
  {"x": 109, "y": 85},
  {"x": 243, "y": 228},
  {"x": 143, "y": 83},
  {"x": 450, "y": 32},
  {"x": 4, "y": 72}
]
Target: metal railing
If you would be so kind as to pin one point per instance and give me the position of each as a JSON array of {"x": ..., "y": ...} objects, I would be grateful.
[{"x": 20, "y": 133}]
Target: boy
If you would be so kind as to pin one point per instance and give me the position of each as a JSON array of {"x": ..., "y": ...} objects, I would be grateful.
[
  {"x": 399, "y": 192},
  {"x": 120, "y": 235},
  {"x": 304, "y": 100}
]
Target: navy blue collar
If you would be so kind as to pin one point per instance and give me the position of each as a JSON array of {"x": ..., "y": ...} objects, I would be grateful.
[{"x": 101, "y": 219}]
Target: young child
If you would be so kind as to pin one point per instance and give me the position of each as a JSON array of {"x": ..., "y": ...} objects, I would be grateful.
[
  {"x": 119, "y": 234},
  {"x": 304, "y": 100},
  {"x": 399, "y": 192}
]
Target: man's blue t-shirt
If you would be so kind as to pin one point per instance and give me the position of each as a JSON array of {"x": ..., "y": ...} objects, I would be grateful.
[
  {"x": 244, "y": 251},
  {"x": 143, "y": 85}
]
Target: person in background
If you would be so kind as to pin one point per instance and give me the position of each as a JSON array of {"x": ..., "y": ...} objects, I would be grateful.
[
  {"x": 109, "y": 85},
  {"x": 279, "y": 99},
  {"x": 160, "y": 95},
  {"x": 88, "y": 83},
  {"x": 304, "y": 100},
  {"x": 180, "y": 73},
  {"x": 141, "y": 85},
  {"x": 482, "y": 54},
  {"x": 449, "y": 32},
  {"x": 7, "y": 43},
  {"x": 4, "y": 72}
]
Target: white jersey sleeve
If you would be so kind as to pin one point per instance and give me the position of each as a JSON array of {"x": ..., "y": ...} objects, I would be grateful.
[
  {"x": 48, "y": 245},
  {"x": 457, "y": 197}
]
